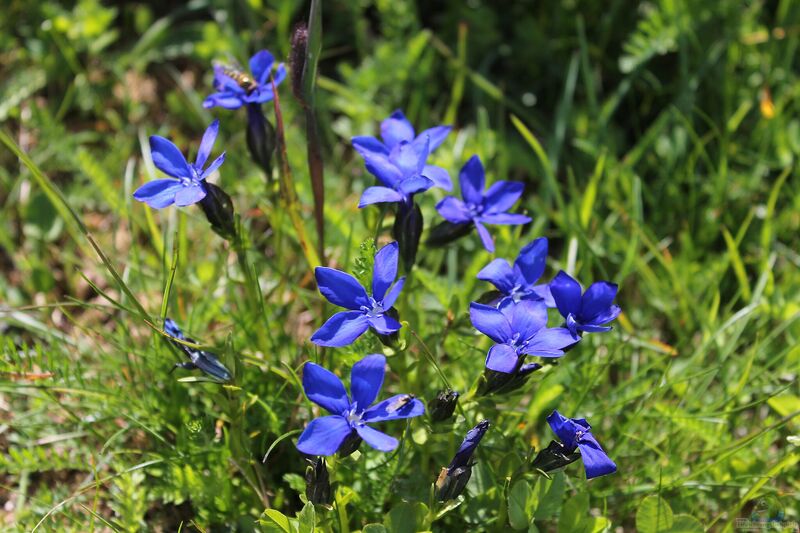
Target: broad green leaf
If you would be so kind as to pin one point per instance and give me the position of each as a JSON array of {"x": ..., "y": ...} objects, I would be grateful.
[
  {"x": 307, "y": 518},
  {"x": 575, "y": 514},
  {"x": 548, "y": 496},
  {"x": 406, "y": 518},
  {"x": 654, "y": 515},
  {"x": 519, "y": 504},
  {"x": 276, "y": 521},
  {"x": 683, "y": 523}
]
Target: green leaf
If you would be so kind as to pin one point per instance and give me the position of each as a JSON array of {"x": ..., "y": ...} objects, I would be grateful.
[
  {"x": 548, "y": 496},
  {"x": 574, "y": 515},
  {"x": 520, "y": 502},
  {"x": 374, "y": 528},
  {"x": 406, "y": 518},
  {"x": 683, "y": 523},
  {"x": 307, "y": 518},
  {"x": 654, "y": 515},
  {"x": 276, "y": 521}
]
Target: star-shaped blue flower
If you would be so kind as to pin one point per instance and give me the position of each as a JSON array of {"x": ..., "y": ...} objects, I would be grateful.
[
  {"x": 576, "y": 433},
  {"x": 364, "y": 311},
  {"x": 235, "y": 89},
  {"x": 395, "y": 130},
  {"x": 588, "y": 312},
  {"x": 350, "y": 416},
  {"x": 518, "y": 283},
  {"x": 480, "y": 207},
  {"x": 519, "y": 330},
  {"x": 187, "y": 185},
  {"x": 403, "y": 173}
]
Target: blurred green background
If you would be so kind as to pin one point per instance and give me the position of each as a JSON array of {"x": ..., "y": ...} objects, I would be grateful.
[{"x": 658, "y": 142}]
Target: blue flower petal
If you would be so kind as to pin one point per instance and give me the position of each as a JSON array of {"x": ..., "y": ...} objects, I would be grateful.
[
  {"x": 278, "y": 76},
  {"x": 504, "y": 218},
  {"x": 410, "y": 157},
  {"x": 365, "y": 145},
  {"x": 382, "y": 168},
  {"x": 396, "y": 129},
  {"x": 592, "y": 328},
  {"x": 207, "y": 144},
  {"x": 500, "y": 274},
  {"x": 224, "y": 100},
  {"x": 324, "y": 435},
  {"x": 378, "y": 440},
  {"x": 341, "y": 329},
  {"x": 158, "y": 193},
  {"x": 542, "y": 292},
  {"x": 340, "y": 288},
  {"x": 502, "y": 358},
  {"x": 453, "y": 210},
  {"x": 595, "y": 461},
  {"x": 213, "y": 166},
  {"x": 414, "y": 185},
  {"x": 501, "y": 196},
  {"x": 472, "y": 179},
  {"x": 527, "y": 317},
  {"x": 438, "y": 176},
  {"x": 549, "y": 342},
  {"x": 564, "y": 428},
  {"x": 531, "y": 260},
  {"x": 384, "y": 269},
  {"x": 391, "y": 297},
  {"x": 168, "y": 158},
  {"x": 366, "y": 379},
  {"x": 607, "y": 316},
  {"x": 379, "y": 195},
  {"x": 566, "y": 293},
  {"x": 490, "y": 322},
  {"x": 486, "y": 237},
  {"x": 325, "y": 389},
  {"x": 468, "y": 445},
  {"x": 388, "y": 409},
  {"x": 260, "y": 66},
  {"x": 437, "y": 135},
  {"x": 189, "y": 195},
  {"x": 384, "y": 324},
  {"x": 597, "y": 299}
]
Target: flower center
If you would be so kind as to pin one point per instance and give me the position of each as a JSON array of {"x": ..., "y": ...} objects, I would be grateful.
[
  {"x": 518, "y": 292},
  {"x": 475, "y": 209},
  {"x": 353, "y": 416},
  {"x": 374, "y": 309},
  {"x": 517, "y": 342}
]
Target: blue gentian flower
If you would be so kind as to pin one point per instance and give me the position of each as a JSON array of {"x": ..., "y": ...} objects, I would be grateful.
[
  {"x": 187, "y": 184},
  {"x": 482, "y": 208},
  {"x": 236, "y": 88},
  {"x": 396, "y": 130},
  {"x": 518, "y": 330},
  {"x": 350, "y": 415},
  {"x": 364, "y": 311},
  {"x": 576, "y": 433},
  {"x": 403, "y": 173},
  {"x": 518, "y": 283},
  {"x": 588, "y": 312}
]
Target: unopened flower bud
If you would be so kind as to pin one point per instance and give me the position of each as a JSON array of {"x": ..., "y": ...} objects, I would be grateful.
[
  {"x": 260, "y": 138},
  {"x": 218, "y": 208},
  {"x": 443, "y": 406},
  {"x": 318, "y": 484},
  {"x": 407, "y": 231},
  {"x": 493, "y": 382},
  {"x": 453, "y": 479}
]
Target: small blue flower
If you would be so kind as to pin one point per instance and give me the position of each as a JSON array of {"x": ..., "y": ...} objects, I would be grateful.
[
  {"x": 519, "y": 330},
  {"x": 588, "y": 312},
  {"x": 396, "y": 130},
  {"x": 235, "y": 89},
  {"x": 576, "y": 433},
  {"x": 519, "y": 283},
  {"x": 350, "y": 415},
  {"x": 187, "y": 184},
  {"x": 364, "y": 311},
  {"x": 482, "y": 208}
]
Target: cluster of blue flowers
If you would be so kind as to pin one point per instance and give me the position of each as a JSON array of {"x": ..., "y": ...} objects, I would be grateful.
[{"x": 514, "y": 316}]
